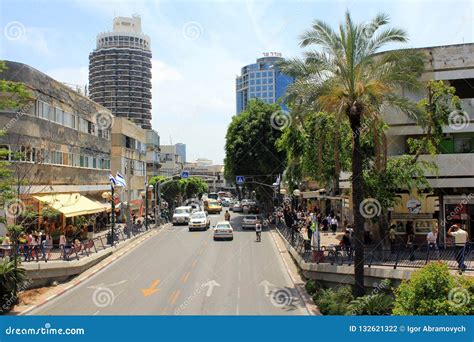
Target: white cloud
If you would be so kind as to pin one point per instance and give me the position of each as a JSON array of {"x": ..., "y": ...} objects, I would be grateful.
[
  {"x": 74, "y": 76},
  {"x": 162, "y": 72}
]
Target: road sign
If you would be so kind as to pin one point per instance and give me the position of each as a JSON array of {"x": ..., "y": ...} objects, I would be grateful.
[
  {"x": 184, "y": 174},
  {"x": 240, "y": 180}
]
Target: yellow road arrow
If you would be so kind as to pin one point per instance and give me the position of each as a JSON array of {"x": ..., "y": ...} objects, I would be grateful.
[{"x": 152, "y": 289}]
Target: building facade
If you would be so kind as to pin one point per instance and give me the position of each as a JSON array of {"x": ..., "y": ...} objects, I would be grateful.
[
  {"x": 152, "y": 153},
  {"x": 212, "y": 174},
  {"x": 452, "y": 200},
  {"x": 452, "y": 197},
  {"x": 129, "y": 157},
  {"x": 262, "y": 80},
  {"x": 181, "y": 150},
  {"x": 120, "y": 71},
  {"x": 171, "y": 162},
  {"x": 58, "y": 148}
]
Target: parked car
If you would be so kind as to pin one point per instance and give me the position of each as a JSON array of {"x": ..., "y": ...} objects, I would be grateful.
[
  {"x": 199, "y": 220},
  {"x": 181, "y": 215},
  {"x": 249, "y": 221},
  {"x": 223, "y": 230}
]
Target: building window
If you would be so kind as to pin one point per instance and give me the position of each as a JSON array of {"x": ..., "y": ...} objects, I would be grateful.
[
  {"x": 462, "y": 145},
  {"x": 58, "y": 116},
  {"x": 83, "y": 125},
  {"x": 4, "y": 152},
  {"x": 56, "y": 158}
]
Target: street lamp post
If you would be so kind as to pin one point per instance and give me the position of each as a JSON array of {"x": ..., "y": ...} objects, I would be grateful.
[
  {"x": 147, "y": 187},
  {"x": 157, "y": 202}
]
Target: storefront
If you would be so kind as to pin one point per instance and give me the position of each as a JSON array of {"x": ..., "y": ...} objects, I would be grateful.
[
  {"x": 416, "y": 214},
  {"x": 458, "y": 209}
]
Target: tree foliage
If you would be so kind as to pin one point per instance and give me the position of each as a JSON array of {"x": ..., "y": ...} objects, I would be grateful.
[
  {"x": 250, "y": 146},
  {"x": 180, "y": 189},
  {"x": 432, "y": 290},
  {"x": 344, "y": 74}
]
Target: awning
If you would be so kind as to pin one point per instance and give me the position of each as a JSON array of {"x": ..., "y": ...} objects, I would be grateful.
[{"x": 72, "y": 204}]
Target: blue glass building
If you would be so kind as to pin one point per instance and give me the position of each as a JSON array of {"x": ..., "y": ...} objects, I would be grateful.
[{"x": 262, "y": 80}]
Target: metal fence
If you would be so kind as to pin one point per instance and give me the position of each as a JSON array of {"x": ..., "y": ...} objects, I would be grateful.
[
  {"x": 71, "y": 251},
  {"x": 395, "y": 255}
]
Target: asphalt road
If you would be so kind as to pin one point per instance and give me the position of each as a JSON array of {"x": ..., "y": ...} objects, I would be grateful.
[{"x": 191, "y": 275}]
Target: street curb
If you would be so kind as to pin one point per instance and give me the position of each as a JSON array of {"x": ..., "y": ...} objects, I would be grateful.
[
  {"x": 312, "y": 308},
  {"x": 108, "y": 260}
]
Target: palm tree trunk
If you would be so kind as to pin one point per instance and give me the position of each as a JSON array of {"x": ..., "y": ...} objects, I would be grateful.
[{"x": 357, "y": 198}]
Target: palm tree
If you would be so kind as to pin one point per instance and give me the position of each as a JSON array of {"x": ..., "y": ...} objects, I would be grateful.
[{"x": 347, "y": 75}]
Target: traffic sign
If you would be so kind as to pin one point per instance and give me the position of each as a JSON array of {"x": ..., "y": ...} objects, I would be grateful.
[
  {"x": 184, "y": 174},
  {"x": 240, "y": 180}
]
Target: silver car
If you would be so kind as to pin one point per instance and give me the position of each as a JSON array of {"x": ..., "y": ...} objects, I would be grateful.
[
  {"x": 223, "y": 230},
  {"x": 249, "y": 221},
  {"x": 181, "y": 215},
  {"x": 199, "y": 220}
]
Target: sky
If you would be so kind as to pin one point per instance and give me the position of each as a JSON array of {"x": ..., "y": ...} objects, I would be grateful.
[{"x": 199, "y": 47}]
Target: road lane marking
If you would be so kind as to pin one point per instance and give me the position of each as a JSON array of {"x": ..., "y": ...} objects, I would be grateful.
[
  {"x": 175, "y": 297},
  {"x": 194, "y": 263},
  {"x": 152, "y": 289},
  {"x": 185, "y": 277}
]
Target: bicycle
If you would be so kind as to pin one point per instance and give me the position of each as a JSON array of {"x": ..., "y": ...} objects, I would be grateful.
[{"x": 335, "y": 255}]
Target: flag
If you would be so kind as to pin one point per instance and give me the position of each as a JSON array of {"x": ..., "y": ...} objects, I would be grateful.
[
  {"x": 112, "y": 180},
  {"x": 120, "y": 180}
]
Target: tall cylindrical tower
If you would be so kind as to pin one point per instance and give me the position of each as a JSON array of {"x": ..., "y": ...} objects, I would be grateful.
[{"x": 120, "y": 71}]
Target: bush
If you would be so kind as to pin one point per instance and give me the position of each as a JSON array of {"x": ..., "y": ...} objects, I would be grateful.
[
  {"x": 372, "y": 304},
  {"x": 334, "y": 301},
  {"x": 9, "y": 276},
  {"x": 432, "y": 290},
  {"x": 311, "y": 287}
]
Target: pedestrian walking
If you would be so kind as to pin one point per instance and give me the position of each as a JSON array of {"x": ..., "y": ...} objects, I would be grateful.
[
  {"x": 460, "y": 239},
  {"x": 62, "y": 244},
  {"x": 334, "y": 225},
  {"x": 432, "y": 240}
]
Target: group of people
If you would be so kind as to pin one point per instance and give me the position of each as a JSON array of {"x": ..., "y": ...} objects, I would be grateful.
[{"x": 36, "y": 243}]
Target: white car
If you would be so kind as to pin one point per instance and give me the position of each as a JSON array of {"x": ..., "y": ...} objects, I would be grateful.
[
  {"x": 181, "y": 215},
  {"x": 199, "y": 220},
  {"x": 236, "y": 207},
  {"x": 249, "y": 221},
  {"x": 223, "y": 230}
]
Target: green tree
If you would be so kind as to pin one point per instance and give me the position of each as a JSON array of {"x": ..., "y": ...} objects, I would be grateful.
[
  {"x": 346, "y": 76},
  {"x": 14, "y": 96},
  {"x": 250, "y": 144},
  {"x": 432, "y": 290}
]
